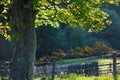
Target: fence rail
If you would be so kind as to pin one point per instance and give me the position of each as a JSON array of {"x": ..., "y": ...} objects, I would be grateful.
[
  {"x": 52, "y": 68},
  {"x": 87, "y": 69}
]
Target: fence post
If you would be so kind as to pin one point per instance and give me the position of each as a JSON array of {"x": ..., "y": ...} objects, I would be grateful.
[
  {"x": 53, "y": 71},
  {"x": 97, "y": 69},
  {"x": 114, "y": 66}
]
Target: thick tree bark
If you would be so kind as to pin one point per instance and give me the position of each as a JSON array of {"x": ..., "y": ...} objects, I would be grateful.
[{"x": 23, "y": 60}]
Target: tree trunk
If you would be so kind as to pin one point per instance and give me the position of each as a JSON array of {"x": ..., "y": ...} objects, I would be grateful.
[{"x": 21, "y": 67}]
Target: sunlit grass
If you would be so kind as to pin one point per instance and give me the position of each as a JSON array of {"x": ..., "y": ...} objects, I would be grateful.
[
  {"x": 80, "y": 77},
  {"x": 102, "y": 60}
]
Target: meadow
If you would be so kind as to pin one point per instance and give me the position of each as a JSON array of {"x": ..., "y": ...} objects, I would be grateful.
[
  {"x": 80, "y": 77},
  {"x": 100, "y": 60}
]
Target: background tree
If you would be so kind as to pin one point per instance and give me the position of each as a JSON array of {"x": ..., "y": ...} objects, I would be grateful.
[
  {"x": 77, "y": 38},
  {"x": 49, "y": 39},
  {"x": 111, "y": 34},
  {"x": 24, "y": 15}
]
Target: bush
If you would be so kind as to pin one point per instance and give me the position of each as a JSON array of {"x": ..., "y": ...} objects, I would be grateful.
[
  {"x": 101, "y": 48},
  {"x": 60, "y": 54},
  {"x": 79, "y": 51},
  {"x": 88, "y": 51}
]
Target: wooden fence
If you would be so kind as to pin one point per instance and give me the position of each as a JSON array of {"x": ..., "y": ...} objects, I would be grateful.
[{"x": 87, "y": 69}]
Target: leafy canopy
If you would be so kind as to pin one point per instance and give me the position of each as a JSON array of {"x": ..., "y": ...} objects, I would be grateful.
[{"x": 84, "y": 13}]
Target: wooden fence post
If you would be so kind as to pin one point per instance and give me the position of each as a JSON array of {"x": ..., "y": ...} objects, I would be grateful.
[
  {"x": 53, "y": 71},
  {"x": 97, "y": 69},
  {"x": 114, "y": 66}
]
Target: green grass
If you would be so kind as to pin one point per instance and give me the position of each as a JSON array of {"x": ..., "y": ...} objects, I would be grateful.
[
  {"x": 102, "y": 60},
  {"x": 80, "y": 77}
]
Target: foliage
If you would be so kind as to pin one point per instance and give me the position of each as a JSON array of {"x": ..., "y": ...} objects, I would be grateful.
[
  {"x": 88, "y": 51},
  {"x": 52, "y": 39},
  {"x": 76, "y": 13},
  {"x": 111, "y": 34},
  {"x": 77, "y": 37},
  {"x": 49, "y": 39},
  {"x": 60, "y": 54},
  {"x": 101, "y": 48},
  {"x": 98, "y": 49}
]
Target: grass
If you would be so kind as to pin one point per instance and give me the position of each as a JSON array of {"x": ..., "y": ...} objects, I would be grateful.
[
  {"x": 80, "y": 77},
  {"x": 102, "y": 60}
]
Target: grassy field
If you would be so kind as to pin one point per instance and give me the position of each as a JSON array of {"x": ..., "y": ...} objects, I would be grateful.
[
  {"x": 102, "y": 60},
  {"x": 79, "y": 77}
]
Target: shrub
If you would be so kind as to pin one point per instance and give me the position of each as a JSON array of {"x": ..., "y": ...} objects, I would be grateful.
[
  {"x": 60, "y": 54},
  {"x": 101, "y": 48},
  {"x": 79, "y": 51},
  {"x": 71, "y": 53},
  {"x": 87, "y": 51}
]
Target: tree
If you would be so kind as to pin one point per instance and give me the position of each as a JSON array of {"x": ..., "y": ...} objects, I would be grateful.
[
  {"x": 49, "y": 39},
  {"x": 111, "y": 34},
  {"x": 21, "y": 17},
  {"x": 77, "y": 38}
]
